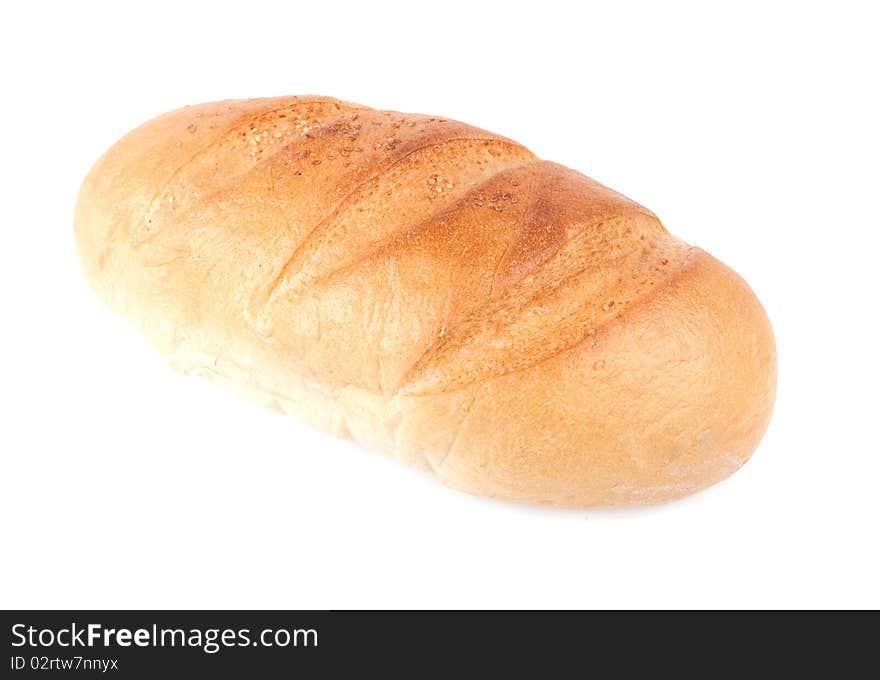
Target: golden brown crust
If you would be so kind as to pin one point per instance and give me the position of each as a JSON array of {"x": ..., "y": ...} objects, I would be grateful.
[{"x": 435, "y": 291}]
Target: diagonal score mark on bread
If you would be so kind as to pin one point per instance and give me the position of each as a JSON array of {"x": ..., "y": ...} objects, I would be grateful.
[
  {"x": 196, "y": 177},
  {"x": 554, "y": 292},
  {"x": 347, "y": 237}
]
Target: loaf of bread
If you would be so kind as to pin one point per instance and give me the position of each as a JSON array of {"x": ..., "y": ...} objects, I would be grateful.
[{"x": 433, "y": 291}]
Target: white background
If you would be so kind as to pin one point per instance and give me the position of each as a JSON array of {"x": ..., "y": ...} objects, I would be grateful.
[{"x": 752, "y": 132}]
